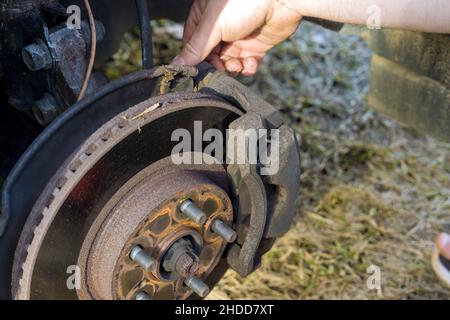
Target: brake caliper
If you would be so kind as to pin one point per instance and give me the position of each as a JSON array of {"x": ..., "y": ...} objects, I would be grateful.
[{"x": 265, "y": 196}]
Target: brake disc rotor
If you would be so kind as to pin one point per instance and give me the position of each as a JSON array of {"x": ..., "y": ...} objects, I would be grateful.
[{"x": 120, "y": 191}]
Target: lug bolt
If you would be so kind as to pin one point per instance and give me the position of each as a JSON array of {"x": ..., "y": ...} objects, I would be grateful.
[
  {"x": 142, "y": 258},
  {"x": 37, "y": 56},
  {"x": 224, "y": 231},
  {"x": 46, "y": 109},
  {"x": 193, "y": 212},
  {"x": 197, "y": 285},
  {"x": 142, "y": 296}
]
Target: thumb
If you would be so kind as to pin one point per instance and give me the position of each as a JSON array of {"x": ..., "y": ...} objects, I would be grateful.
[{"x": 203, "y": 40}]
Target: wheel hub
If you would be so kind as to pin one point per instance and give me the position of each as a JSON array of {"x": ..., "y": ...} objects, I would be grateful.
[{"x": 172, "y": 247}]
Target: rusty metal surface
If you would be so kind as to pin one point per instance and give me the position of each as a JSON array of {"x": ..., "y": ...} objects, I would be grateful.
[
  {"x": 148, "y": 216},
  {"x": 72, "y": 172},
  {"x": 68, "y": 49},
  {"x": 263, "y": 210},
  {"x": 38, "y": 164},
  {"x": 64, "y": 135}
]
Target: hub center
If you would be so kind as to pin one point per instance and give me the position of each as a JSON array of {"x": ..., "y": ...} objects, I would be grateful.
[{"x": 161, "y": 240}]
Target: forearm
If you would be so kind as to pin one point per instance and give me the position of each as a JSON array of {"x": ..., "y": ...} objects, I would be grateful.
[{"x": 421, "y": 15}]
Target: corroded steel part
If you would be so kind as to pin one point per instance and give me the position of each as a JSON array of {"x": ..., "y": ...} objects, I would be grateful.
[
  {"x": 142, "y": 258},
  {"x": 133, "y": 151},
  {"x": 181, "y": 258},
  {"x": 175, "y": 239},
  {"x": 148, "y": 215},
  {"x": 186, "y": 265},
  {"x": 33, "y": 172},
  {"x": 106, "y": 253}
]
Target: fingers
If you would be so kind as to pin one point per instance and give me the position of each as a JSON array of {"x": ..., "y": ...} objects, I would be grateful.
[
  {"x": 232, "y": 65},
  {"x": 443, "y": 244},
  {"x": 203, "y": 39},
  {"x": 214, "y": 59},
  {"x": 245, "y": 66},
  {"x": 237, "y": 61},
  {"x": 240, "y": 63},
  {"x": 202, "y": 33}
]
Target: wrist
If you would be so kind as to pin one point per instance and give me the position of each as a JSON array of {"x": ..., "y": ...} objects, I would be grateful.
[
  {"x": 305, "y": 8},
  {"x": 291, "y": 6}
]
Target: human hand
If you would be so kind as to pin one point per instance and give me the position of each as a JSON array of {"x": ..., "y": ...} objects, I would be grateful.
[{"x": 235, "y": 35}]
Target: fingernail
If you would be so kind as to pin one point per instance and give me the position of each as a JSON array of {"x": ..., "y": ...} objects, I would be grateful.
[
  {"x": 445, "y": 239},
  {"x": 178, "y": 60}
]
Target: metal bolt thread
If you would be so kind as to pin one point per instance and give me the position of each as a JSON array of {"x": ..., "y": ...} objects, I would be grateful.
[
  {"x": 193, "y": 212},
  {"x": 224, "y": 231},
  {"x": 197, "y": 285},
  {"x": 142, "y": 258}
]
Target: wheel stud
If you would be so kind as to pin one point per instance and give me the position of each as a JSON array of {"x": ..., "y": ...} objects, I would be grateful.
[
  {"x": 224, "y": 231},
  {"x": 142, "y": 296},
  {"x": 197, "y": 285},
  {"x": 193, "y": 212},
  {"x": 142, "y": 258}
]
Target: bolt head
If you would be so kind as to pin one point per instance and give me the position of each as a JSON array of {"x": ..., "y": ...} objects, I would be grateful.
[
  {"x": 46, "y": 109},
  {"x": 37, "y": 56}
]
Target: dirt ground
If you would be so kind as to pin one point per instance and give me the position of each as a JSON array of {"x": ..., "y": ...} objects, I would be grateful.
[{"x": 372, "y": 193}]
